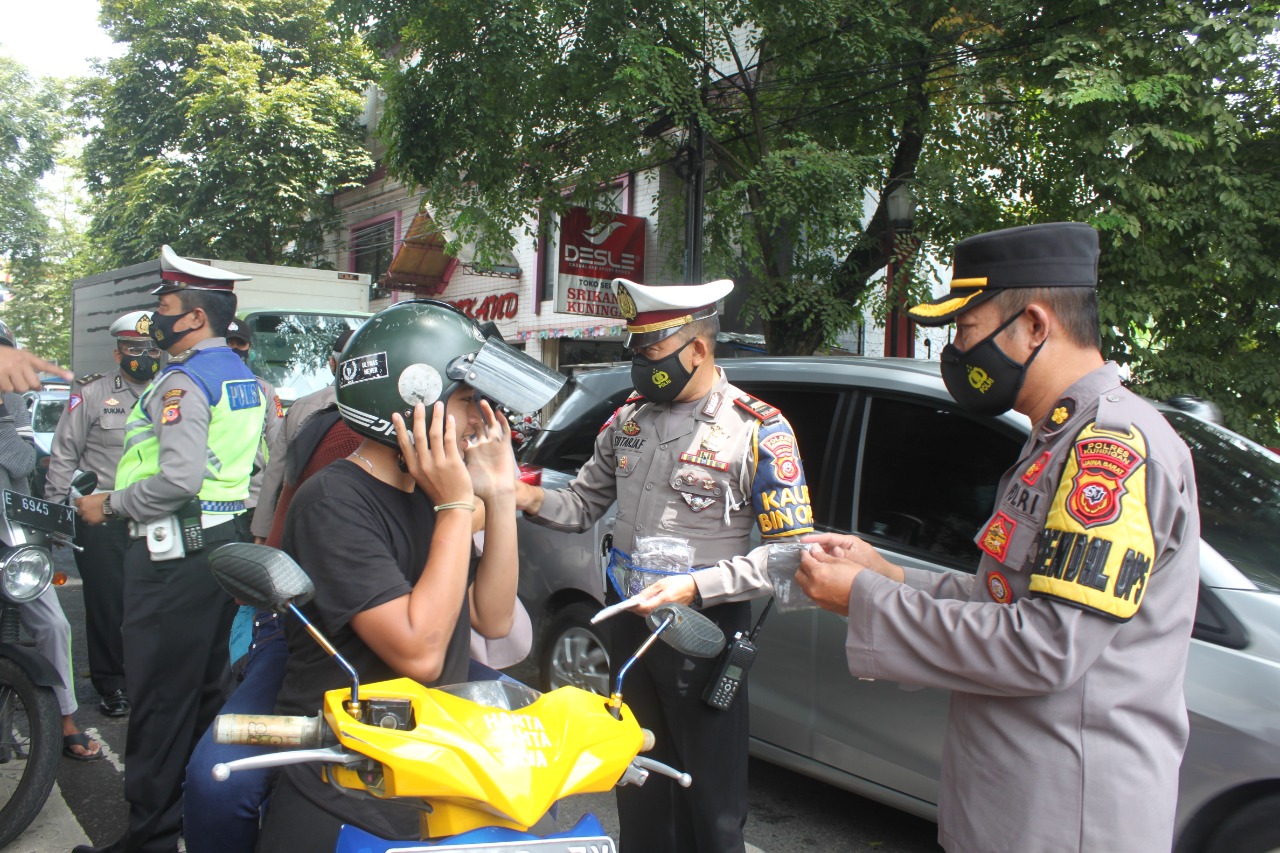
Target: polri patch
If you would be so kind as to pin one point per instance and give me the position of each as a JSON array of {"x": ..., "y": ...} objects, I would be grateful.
[
  {"x": 995, "y": 539},
  {"x": 73, "y": 401},
  {"x": 1097, "y": 546},
  {"x": 243, "y": 394},
  {"x": 363, "y": 368},
  {"x": 1104, "y": 464},
  {"x": 172, "y": 413},
  {"x": 998, "y": 586},
  {"x": 782, "y": 447}
]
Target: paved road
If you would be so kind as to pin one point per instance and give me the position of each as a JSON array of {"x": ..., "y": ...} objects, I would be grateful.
[{"x": 788, "y": 812}]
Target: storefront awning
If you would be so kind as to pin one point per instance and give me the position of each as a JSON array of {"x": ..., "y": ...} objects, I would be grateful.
[{"x": 423, "y": 267}]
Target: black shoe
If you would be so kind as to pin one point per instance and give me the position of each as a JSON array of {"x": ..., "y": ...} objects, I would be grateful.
[
  {"x": 114, "y": 704},
  {"x": 113, "y": 847}
]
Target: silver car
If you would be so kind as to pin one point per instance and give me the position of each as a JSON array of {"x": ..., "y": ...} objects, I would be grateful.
[{"x": 890, "y": 457}]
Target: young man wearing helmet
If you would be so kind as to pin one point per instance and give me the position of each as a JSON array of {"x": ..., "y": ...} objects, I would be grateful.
[
  {"x": 386, "y": 535},
  {"x": 90, "y": 437}
]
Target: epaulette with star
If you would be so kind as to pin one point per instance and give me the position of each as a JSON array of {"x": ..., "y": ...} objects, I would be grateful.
[
  {"x": 88, "y": 377},
  {"x": 758, "y": 408}
]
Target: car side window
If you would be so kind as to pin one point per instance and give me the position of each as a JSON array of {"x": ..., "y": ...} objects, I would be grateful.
[
  {"x": 928, "y": 478},
  {"x": 811, "y": 411}
]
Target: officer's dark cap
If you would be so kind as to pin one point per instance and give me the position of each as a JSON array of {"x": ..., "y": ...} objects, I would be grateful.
[{"x": 1051, "y": 254}]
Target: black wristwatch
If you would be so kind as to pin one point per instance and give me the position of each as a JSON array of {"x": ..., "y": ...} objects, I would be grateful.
[{"x": 106, "y": 507}]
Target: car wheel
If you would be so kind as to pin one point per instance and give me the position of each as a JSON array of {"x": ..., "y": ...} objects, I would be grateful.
[
  {"x": 1252, "y": 829},
  {"x": 574, "y": 653}
]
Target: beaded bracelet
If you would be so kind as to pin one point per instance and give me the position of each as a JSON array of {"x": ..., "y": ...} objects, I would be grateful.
[{"x": 457, "y": 505}]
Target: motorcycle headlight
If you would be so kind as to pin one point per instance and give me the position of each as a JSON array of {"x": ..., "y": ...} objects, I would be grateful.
[{"x": 26, "y": 573}]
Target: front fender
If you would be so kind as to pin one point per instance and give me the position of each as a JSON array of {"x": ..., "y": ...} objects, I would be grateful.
[{"x": 37, "y": 668}]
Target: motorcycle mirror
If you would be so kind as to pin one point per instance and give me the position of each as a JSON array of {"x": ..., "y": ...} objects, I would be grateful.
[
  {"x": 263, "y": 577},
  {"x": 84, "y": 483},
  {"x": 690, "y": 632}
]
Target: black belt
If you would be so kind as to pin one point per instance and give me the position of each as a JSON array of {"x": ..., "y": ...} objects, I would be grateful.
[{"x": 224, "y": 532}]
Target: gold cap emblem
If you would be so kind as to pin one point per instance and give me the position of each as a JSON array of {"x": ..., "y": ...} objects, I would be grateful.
[{"x": 626, "y": 305}]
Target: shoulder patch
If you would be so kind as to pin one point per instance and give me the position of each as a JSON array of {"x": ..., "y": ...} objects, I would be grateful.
[
  {"x": 88, "y": 377},
  {"x": 757, "y": 408},
  {"x": 779, "y": 493},
  {"x": 73, "y": 401},
  {"x": 635, "y": 397},
  {"x": 1097, "y": 547}
]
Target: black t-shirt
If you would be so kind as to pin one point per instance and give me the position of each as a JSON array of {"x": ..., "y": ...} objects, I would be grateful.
[{"x": 363, "y": 543}]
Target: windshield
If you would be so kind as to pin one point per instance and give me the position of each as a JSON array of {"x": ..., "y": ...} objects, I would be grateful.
[
  {"x": 46, "y": 413},
  {"x": 1239, "y": 486},
  {"x": 291, "y": 349}
]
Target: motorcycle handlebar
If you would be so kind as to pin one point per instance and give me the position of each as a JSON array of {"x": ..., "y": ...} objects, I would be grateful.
[{"x": 270, "y": 730}]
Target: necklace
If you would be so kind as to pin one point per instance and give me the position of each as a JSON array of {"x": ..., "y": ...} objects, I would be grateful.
[{"x": 365, "y": 461}]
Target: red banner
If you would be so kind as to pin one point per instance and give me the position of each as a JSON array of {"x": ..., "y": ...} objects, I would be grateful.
[{"x": 591, "y": 255}]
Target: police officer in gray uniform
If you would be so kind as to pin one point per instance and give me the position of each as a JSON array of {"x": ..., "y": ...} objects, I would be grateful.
[
  {"x": 689, "y": 456},
  {"x": 183, "y": 478},
  {"x": 1066, "y": 652},
  {"x": 90, "y": 437}
]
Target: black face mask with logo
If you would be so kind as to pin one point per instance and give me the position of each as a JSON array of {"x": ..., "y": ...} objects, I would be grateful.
[
  {"x": 140, "y": 368},
  {"x": 162, "y": 329},
  {"x": 660, "y": 380},
  {"x": 982, "y": 379}
]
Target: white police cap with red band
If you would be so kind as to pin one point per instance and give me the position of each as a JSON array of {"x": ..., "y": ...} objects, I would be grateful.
[
  {"x": 654, "y": 312},
  {"x": 179, "y": 273}
]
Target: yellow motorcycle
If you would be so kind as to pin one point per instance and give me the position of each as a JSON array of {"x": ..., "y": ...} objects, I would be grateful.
[{"x": 485, "y": 761}]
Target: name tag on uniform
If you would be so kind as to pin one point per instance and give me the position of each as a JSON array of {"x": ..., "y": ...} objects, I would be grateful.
[{"x": 243, "y": 394}]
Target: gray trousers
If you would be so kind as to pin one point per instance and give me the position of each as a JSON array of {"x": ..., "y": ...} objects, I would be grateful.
[{"x": 44, "y": 620}]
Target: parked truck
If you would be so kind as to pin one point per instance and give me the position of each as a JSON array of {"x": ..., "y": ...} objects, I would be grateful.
[{"x": 294, "y": 313}]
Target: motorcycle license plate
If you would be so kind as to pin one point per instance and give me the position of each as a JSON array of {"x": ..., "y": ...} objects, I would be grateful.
[
  {"x": 599, "y": 844},
  {"x": 40, "y": 514}
]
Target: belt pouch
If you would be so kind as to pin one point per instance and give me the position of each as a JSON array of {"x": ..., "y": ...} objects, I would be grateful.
[{"x": 164, "y": 539}]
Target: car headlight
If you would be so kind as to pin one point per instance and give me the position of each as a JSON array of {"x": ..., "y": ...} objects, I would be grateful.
[{"x": 26, "y": 572}]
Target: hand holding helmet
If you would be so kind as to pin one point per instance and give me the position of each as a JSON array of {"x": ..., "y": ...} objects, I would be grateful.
[
  {"x": 490, "y": 460},
  {"x": 432, "y": 457}
]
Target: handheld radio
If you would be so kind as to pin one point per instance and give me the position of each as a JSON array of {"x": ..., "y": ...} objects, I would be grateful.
[{"x": 732, "y": 666}]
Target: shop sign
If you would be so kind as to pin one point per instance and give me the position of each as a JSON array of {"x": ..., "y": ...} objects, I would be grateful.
[
  {"x": 499, "y": 306},
  {"x": 591, "y": 255}
]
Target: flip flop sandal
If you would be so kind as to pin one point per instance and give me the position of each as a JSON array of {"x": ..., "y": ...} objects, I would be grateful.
[{"x": 83, "y": 741}]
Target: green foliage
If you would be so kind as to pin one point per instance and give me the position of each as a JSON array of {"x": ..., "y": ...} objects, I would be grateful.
[
  {"x": 30, "y": 131},
  {"x": 39, "y": 311},
  {"x": 224, "y": 130},
  {"x": 1155, "y": 120}
]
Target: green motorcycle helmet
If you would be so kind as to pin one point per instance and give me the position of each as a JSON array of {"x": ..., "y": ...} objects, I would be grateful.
[{"x": 422, "y": 351}]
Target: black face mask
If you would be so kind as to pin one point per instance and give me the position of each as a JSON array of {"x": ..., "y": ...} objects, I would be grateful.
[
  {"x": 243, "y": 353},
  {"x": 162, "y": 330},
  {"x": 983, "y": 380},
  {"x": 140, "y": 368},
  {"x": 660, "y": 380}
]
